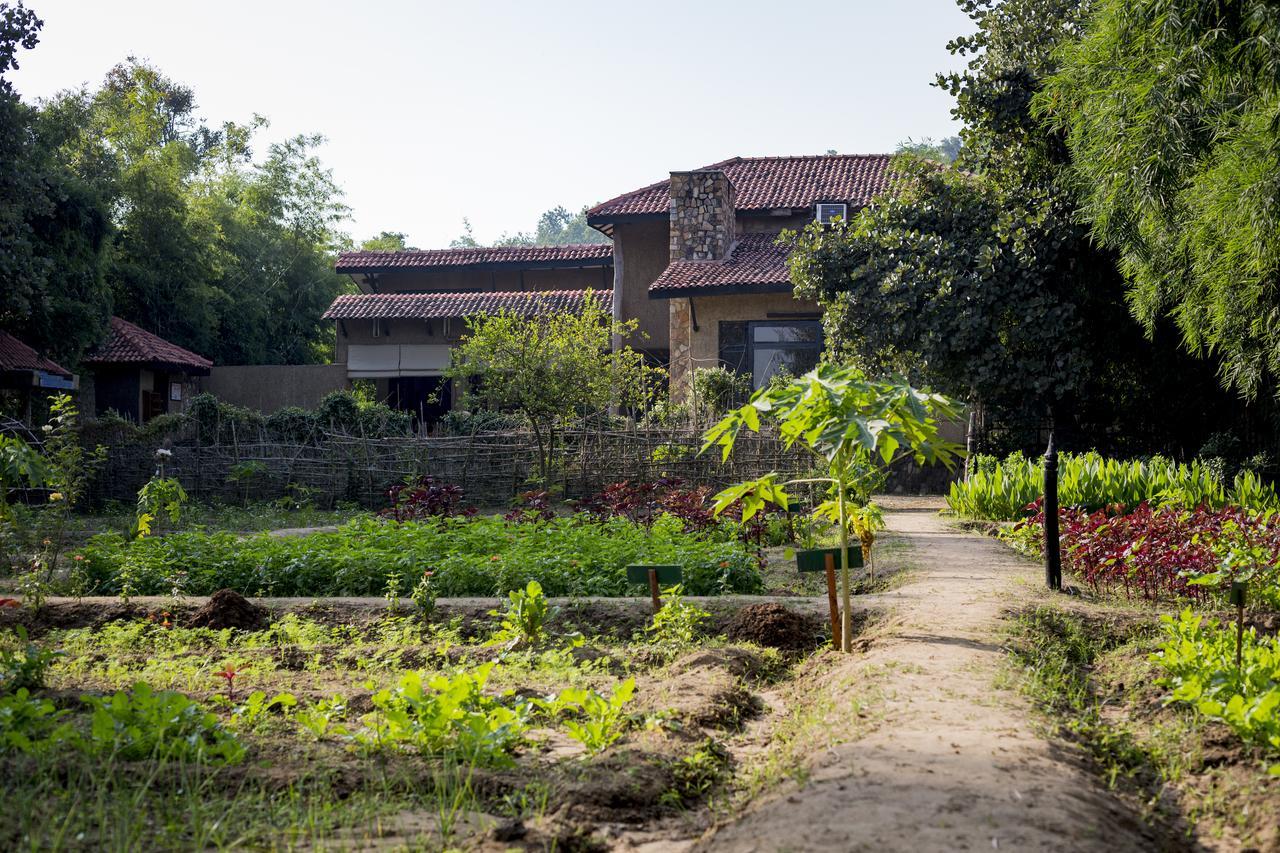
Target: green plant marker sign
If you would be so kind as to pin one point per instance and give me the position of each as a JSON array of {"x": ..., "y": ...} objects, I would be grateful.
[
  {"x": 654, "y": 576},
  {"x": 815, "y": 559},
  {"x": 638, "y": 573}
]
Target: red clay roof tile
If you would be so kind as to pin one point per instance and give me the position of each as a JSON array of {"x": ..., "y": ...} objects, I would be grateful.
[
  {"x": 15, "y": 355},
  {"x": 769, "y": 183},
  {"x": 428, "y": 306},
  {"x": 130, "y": 344},
  {"x": 573, "y": 255},
  {"x": 755, "y": 263}
]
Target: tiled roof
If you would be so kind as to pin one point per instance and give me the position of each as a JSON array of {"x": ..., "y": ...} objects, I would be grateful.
[
  {"x": 756, "y": 263},
  {"x": 769, "y": 183},
  {"x": 15, "y": 355},
  {"x": 574, "y": 255},
  {"x": 130, "y": 344},
  {"x": 429, "y": 306}
]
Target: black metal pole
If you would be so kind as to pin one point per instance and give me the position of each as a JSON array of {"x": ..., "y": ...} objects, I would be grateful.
[{"x": 1052, "y": 554}]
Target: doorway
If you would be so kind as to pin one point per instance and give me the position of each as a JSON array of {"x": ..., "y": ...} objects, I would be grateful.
[{"x": 428, "y": 397}]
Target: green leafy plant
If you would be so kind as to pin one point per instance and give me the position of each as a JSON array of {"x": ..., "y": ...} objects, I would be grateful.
[
  {"x": 1199, "y": 662},
  {"x": 524, "y": 620},
  {"x": 851, "y": 424},
  {"x": 25, "y": 666},
  {"x": 445, "y": 716},
  {"x": 245, "y": 475},
  {"x": 20, "y": 466},
  {"x": 32, "y": 725},
  {"x": 257, "y": 707},
  {"x": 679, "y": 623},
  {"x": 424, "y": 596},
  {"x": 159, "y": 498},
  {"x": 483, "y": 556},
  {"x": 602, "y": 720},
  {"x": 145, "y": 723}
]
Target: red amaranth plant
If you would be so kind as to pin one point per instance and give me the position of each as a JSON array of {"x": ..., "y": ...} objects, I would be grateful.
[
  {"x": 423, "y": 498},
  {"x": 1156, "y": 553}
]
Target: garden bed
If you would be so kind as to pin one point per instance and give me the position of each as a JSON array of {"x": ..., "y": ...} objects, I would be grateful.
[{"x": 312, "y": 773}]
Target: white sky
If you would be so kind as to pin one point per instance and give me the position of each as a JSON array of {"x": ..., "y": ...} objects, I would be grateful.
[{"x": 498, "y": 110}]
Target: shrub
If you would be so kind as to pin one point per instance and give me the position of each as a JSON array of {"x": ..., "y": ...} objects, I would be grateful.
[
  {"x": 292, "y": 424},
  {"x": 424, "y": 498},
  {"x": 1167, "y": 552},
  {"x": 463, "y": 422}
]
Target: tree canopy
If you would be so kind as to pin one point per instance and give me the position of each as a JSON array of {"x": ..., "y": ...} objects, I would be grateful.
[
  {"x": 556, "y": 227},
  {"x": 551, "y": 368},
  {"x": 981, "y": 280},
  {"x": 120, "y": 199},
  {"x": 1168, "y": 108}
]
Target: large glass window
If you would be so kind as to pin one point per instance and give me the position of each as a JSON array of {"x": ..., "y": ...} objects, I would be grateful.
[{"x": 793, "y": 346}]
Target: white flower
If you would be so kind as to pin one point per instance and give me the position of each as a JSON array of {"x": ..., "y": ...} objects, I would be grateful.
[
  {"x": 47, "y": 428},
  {"x": 162, "y": 453}
]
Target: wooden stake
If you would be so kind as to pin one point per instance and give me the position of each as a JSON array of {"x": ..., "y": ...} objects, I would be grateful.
[
  {"x": 653, "y": 590},
  {"x": 831, "y": 601}
]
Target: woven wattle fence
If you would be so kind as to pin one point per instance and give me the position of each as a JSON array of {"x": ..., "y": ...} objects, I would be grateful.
[{"x": 490, "y": 467}]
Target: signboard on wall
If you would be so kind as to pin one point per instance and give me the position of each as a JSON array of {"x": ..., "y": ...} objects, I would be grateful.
[
  {"x": 53, "y": 380},
  {"x": 175, "y": 392}
]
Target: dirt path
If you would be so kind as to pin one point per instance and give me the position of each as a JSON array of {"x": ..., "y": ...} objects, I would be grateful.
[{"x": 949, "y": 762}]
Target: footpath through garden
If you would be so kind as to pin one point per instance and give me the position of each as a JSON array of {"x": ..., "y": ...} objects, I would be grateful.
[{"x": 928, "y": 754}]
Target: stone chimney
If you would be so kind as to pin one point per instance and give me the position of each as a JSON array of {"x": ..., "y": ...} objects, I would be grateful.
[{"x": 703, "y": 227}]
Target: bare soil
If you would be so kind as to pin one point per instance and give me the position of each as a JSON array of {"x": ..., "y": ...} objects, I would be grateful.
[{"x": 931, "y": 756}]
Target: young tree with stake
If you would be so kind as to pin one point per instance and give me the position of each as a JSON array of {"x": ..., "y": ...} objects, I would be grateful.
[{"x": 848, "y": 422}]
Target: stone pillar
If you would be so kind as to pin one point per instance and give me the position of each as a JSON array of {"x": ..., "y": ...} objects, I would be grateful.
[
  {"x": 680, "y": 370},
  {"x": 703, "y": 225}
]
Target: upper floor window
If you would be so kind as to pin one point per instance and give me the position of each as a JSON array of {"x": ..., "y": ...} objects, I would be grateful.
[{"x": 827, "y": 212}]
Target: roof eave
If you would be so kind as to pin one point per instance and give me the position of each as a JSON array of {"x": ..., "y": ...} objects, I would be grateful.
[
  {"x": 491, "y": 266},
  {"x": 719, "y": 290}
]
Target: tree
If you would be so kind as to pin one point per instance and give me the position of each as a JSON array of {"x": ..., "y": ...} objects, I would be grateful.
[
  {"x": 54, "y": 227},
  {"x": 556, "y": 227},
  {"x": 926, "y": 148},
  {"x": 847, "y": 422},
  {"x": 551, "y": 367},
  {"x": 206, "y": 246},
  {"x": 387, "y": 241},
  {"x": 1168, "y": 108},
  {"x": 981, "y": 281}
]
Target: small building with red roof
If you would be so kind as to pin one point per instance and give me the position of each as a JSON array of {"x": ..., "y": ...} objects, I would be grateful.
[
  {"x": 139, "y": 375},
  {"x": 25, "y": 373}
]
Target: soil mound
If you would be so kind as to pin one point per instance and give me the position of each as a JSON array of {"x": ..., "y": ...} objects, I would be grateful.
[
  {"x": 775, "y": 626},
  {"x": 227, "y": 608}
]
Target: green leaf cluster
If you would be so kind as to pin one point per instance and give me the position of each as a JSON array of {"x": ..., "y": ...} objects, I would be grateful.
[
  {"x": 445, "y": 716},
  {"x": 1199, "y": 666},
  {"x": 1168, "y": 108}
]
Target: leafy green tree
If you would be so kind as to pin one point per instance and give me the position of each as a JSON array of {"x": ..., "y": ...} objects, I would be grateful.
[
  {"x": 980, "y": 281},
  {"x": 926, "y": 148},
  {"x": 54, "y": 227},
  {"x": 556, "y": 227},
  {"x": 552, "y": 368},
  {"x": 559, "y": 227},
  {"x": 848, "y": 422},
  {"x": 1169, "y": 110},
  {"x": 219, "y": 252},
  {"x": 387, "y": 241}
]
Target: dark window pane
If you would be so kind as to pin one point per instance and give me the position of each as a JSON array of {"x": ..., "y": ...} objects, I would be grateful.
[
  {"x": 733, "y": 344},
  {"x": 800, "y": 333},
  {"x": 767, "y": 361}
]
